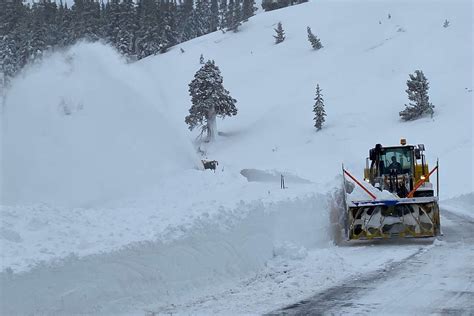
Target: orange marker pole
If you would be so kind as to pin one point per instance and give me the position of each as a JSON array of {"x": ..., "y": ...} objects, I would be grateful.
[{"x": 420, "y": 182}]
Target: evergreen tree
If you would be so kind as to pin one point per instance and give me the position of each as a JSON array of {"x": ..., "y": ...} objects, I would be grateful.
[
  {"x": 36, "y": 44},
  {"x": 446, "y": 23},
  {"x": 137, "y": 28},
  {"x": 9, "y": 64},
  {"x": 147, "y": 39},
  {"x": 201, "y": 60},
  {"x": 222, "y": 15},
  {"x": 318, "y": 109},
  {"x": 229, "y": 16},
  {"x": 248, "y": 9},
  {"x": 417, "y": 93},
  {"x": 315, "y": 42},
  {"x": 202, "y": 17},
  {"x": 214, "y": 16},
  {"x": 236, "y": 16},
  {"x": 125, "y": 41},
  {"x": 280, "y": 34},
  {"x": 112, "y": 22},
  {"x": 64, "y": 26},
  {"x": 169, "y": 35},
  {"x": 209, "y": 100},
  {"x": 187, "y": 21},
  {"x": 86, "y": 17}
]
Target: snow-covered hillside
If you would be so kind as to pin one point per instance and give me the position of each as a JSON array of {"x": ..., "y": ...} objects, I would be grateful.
[
  {"x": 99, "y": 172},
  {"x": 362, "y": 70}
]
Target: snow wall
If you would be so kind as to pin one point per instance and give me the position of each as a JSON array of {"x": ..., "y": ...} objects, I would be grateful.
[
  {"x": 214, "y": 251},
  {"x": 84, "y": 127}
]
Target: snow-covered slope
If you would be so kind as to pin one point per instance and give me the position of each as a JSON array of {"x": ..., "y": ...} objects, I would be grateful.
[
  {"x": 362, "y": 69},
  {"x": 99, "y": 171}
]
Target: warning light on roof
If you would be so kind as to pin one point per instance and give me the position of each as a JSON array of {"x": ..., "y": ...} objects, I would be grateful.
[{"x": 403, "y": 141}]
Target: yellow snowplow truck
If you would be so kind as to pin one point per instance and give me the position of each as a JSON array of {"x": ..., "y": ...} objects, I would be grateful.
[{"x": 413, "y": 211}]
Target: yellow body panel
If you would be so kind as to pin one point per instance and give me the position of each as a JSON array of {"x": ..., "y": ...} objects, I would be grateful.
[
  {"x": 366, "y": 173},
  {"x": 419, "y": 172}
]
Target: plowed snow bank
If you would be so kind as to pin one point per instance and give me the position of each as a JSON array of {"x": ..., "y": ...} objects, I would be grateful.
[{"x": 216, "y": 250}]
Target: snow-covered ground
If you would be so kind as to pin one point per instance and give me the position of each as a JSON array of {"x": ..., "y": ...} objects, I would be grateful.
[{"x": 102, "y": 199}]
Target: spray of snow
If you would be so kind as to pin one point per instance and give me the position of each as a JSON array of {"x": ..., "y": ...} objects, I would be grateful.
[{"x": 82, "y": 128}]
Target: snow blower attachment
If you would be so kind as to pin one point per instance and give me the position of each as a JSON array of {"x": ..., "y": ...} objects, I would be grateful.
[{"x": 412, "y": 212}]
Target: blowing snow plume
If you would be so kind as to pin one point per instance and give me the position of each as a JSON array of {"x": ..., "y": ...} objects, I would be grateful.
[{"x": 83, "y": 128}]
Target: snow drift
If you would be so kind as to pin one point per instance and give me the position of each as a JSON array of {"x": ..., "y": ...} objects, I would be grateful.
[{"x": 82, "y": 128}]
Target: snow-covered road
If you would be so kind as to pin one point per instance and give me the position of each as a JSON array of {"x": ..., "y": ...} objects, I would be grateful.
[{"x": 436, "y": 280}]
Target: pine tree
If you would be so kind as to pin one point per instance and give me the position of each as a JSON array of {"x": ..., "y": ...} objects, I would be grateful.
[
  {"x": 201, "y": 60},
  {"x": 236, "y": 16},
  {"x": 417, "y": 93},
  {"x": 169, "y": 35},
  {"x": 36, "y": 44},
  {"x": 214, "y": 17},
  {"x": 315, "y": 42},
  {"x": 186, "y": 20},
  {"x": 147, "y": 39},
  {"x": 112, "y": 22},
  {"x": 446, "y": 23},
  {"x": 222, "y": 15},
  {"x": 209, "y": 100},
  {"x": 229, "y": 16},
  {"x": 64, "y": 26},
  {"x": 248, "y": 9},
  {"x": 125, "y": 40},
  {"x": 202, "y": 17},
  {"x": 318, "y": 109},
  {"x": 8, "y": 61},
  {"x": 280, "y": 37}
]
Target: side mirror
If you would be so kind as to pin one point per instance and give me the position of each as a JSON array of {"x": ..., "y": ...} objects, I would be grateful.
[{"x": 417, "y": 153}]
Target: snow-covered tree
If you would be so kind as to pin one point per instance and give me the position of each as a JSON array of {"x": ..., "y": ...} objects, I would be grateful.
[
  {"x": 209, "y": 100},
  {"x": 237, "y": 19},
  {"x": 169, "y": 35},
  {"x": 214, "y": 17},
  {"x": 280, "y": 34},
  {"x": 446, "y": 23},
  {"x": 125, "y": 41},
  {"x": 202, "y": 17},
  {"x": 417, "y": 93},
  {"x": 222, "y": 15},
  {"x": 318, "y": 109},
  {"x": 201, "y": 60},
  {"x": 315, "y": 42},
  {"x": 147, "y": 39},
  {"x": 248, "y": 9},
  {"x": 233, "y": 16}
]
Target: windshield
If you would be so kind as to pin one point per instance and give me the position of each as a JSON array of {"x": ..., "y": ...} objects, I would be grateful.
[{"x": 399, "y": 159}]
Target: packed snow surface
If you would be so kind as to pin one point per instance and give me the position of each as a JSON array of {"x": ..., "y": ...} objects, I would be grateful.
[{"x": 100, "y": 174}]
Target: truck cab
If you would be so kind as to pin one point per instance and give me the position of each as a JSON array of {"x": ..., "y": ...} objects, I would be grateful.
[{"x": 397, "y": 169}]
